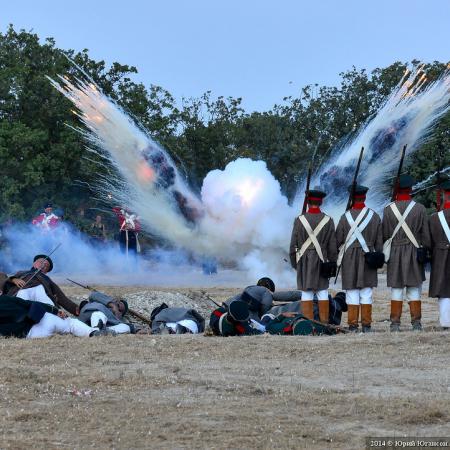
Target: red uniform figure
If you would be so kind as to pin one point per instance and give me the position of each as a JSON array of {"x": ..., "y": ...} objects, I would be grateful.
[
  {"x": 129, "y": 227},
  {"x": 46, "y": 220}
]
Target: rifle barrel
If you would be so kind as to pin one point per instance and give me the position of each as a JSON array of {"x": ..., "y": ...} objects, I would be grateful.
[
  {"x": 399, "y": 172},
  {"x": 352, "y": 195},
  {"x": 130, "y": 311},
  {"x": 79, "y": 284},
  {"x": 140, "y": 316},
  {"x": 308, "y": 184},
  {"x": 355, "y": 180}
]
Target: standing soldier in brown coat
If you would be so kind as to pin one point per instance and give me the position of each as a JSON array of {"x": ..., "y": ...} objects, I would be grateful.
[
  {"x": 360, "y": 242},
  {"x": 440, "y": 259},
  {"x": 406, "y": 239},
  {"x": 313, "y": 254}
]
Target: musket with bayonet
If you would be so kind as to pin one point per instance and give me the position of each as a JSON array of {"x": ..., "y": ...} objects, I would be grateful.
[
  {"x": 308, "y": 183},
  {"x": 399, "y": 172},
  {"x": 352, "y": 194},
  {"x": 355, "y": 181},
  {"x": 439, "y": 182},
  {"x": 130, "y": 311}
]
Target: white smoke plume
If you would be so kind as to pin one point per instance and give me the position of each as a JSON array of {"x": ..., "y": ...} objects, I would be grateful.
[
  {"x": 242, "y": 217},
  {"x": 406, "y": 117},
  {"x": 245, "y": 221}
]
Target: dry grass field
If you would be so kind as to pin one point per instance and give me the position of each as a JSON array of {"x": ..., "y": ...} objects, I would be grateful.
[{"x": 188, "y": 392}]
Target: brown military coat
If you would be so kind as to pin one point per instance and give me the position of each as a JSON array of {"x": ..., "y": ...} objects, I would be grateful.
[
  {"x": 440, "y": 259},
  {"x": 308, "y": 268},
  {"x": 51, "y": 289},
  {"x": 356, "y": 273},
  {"x": 403, "y": 269}
]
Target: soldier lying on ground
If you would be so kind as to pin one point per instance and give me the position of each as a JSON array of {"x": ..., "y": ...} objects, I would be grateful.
[
  {"x": 167, "y": 320},
  {"x": 233, "y": 319},
  {"x": 31, "y": 320},
  {"x": 260, "y": 300},
  {"x": 101, "y": 311},
  {"x": 338, "y": 305},
  {"x": 259, "y": 297},
  {"x": 35, "y": 285}
]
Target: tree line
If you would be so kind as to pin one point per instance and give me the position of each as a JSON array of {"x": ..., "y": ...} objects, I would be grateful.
[{"x": 41, "y": 158}]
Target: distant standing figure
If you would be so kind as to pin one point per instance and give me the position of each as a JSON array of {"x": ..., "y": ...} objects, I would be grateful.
[
  {"x": 98, "y": 230},
  {"x": 47, "y": 220},
  {"x": 129, "y": 228}
]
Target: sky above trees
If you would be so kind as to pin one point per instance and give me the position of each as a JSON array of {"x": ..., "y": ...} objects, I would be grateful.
[{"x": 256, "y": 49}]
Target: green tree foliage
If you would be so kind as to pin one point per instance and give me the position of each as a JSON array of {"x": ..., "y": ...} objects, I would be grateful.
[{"x": 43, "y": 158}]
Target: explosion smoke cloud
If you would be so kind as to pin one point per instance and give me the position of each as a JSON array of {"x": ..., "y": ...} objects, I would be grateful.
[
  {"x": 242, "y": 216},
  {"x": 406, "y": 117}
]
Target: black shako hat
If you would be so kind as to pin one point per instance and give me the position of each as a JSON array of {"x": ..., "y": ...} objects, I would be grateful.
[
  {"x": 406, "y": 181},
  {"x": 445, "y": 185},
  {"x": 239, "y": 311},
  {"x": 48, "y": 205},
  {"x": 359, "y": 189},
  {"x": 267, "y": 283},
  {"x": 44, "y": 257},
  {"x": 316, "y": 194},
  {"x": 125, "y": 304}
]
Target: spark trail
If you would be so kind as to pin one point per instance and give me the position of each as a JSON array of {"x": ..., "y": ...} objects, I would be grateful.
[
  {"x": 241, "y": 214},
  {"x": 406, "y": 117}
]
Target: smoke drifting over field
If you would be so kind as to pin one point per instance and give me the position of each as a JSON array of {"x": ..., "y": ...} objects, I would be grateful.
[
  {"x": 81, "y": 260},
  {"x": 241, "y": 216}
]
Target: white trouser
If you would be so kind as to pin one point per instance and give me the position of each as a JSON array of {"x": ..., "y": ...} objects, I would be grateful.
[
  {"x": 309, "y": 295},
  {"x": 35, "y": 294},
  {"x": 412, "y": 293},
  {"x": 444, "y": 311},
  {"x": 359, "y": 296},
  {"x": 186, "y": 323},
  {"x": 51, "y": 324},
  {"x": 120, "y": 328}
]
